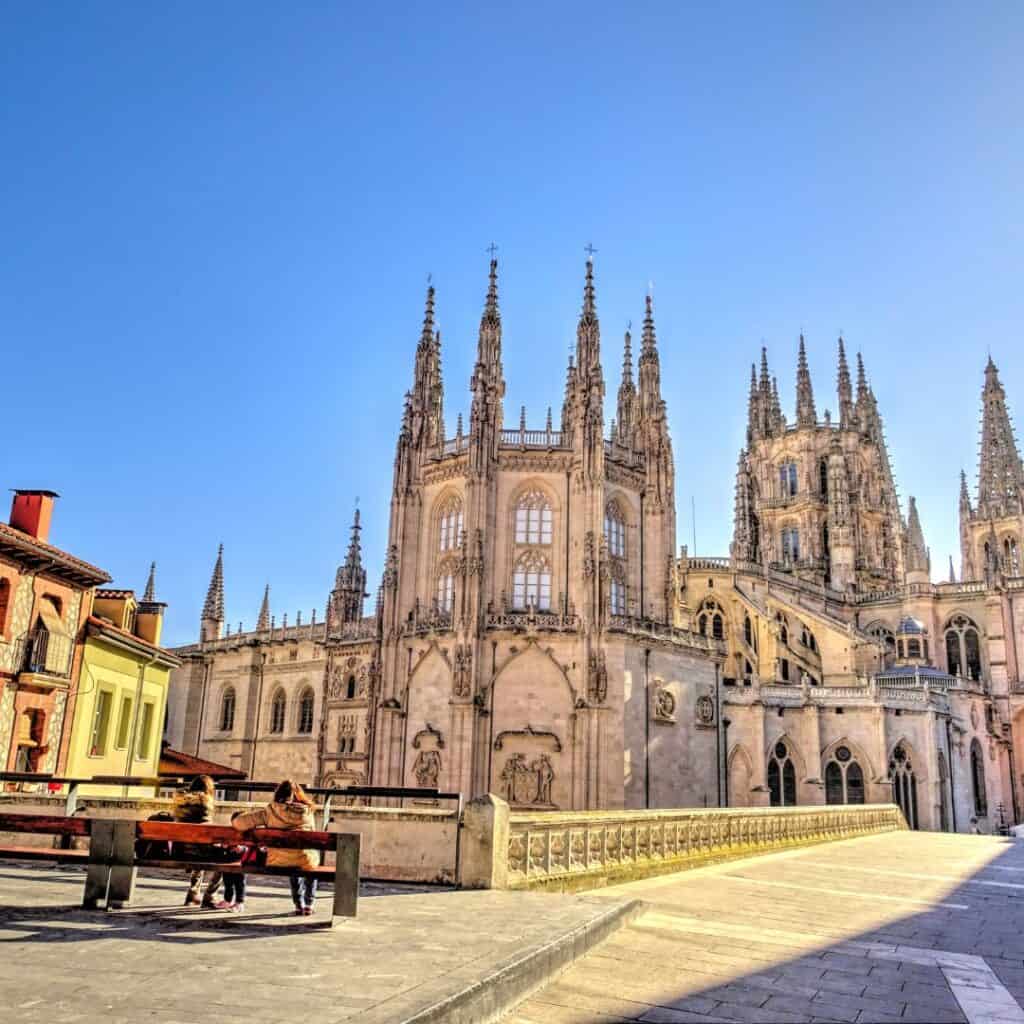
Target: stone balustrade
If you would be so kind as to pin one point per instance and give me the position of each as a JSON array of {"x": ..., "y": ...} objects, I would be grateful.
[{"x": 570, "y": 850}]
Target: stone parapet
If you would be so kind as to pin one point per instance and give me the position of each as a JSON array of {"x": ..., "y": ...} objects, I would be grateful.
[{"x": 583, "y": 850}]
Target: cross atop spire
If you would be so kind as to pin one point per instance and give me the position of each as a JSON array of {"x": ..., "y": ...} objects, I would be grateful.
[{"x": 149, "y": 595}]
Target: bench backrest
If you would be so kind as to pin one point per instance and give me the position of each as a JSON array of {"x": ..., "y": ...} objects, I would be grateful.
[
  {"x": 273, "y": 838},
  {"x": 44, "y": 824}
]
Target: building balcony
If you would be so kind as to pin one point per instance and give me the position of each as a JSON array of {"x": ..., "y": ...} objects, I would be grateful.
[
  {"x": 533, "y": 619},
  {"x": 42, "y": 653}
]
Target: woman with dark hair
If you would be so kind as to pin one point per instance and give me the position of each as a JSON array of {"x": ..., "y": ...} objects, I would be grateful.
[
  {"x": 194, "y": 806},
  {"x": 290, "y": 809}
]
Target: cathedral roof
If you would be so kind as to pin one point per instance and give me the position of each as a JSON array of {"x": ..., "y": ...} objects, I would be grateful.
[{"x": 908, "y": 624}]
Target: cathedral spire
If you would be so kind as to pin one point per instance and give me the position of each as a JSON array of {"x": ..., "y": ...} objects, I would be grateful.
[
  {"x": 263, "y": 619},
  {"x": 427, "y": 422},
  {"x": 212, "y": 623},
  {"x": 806, "y": 415},
  {"x": 487, "y": 383},
  {"x": 149, "y": 594},
  {"x": 627, "y": 392},
  {"x": 754, "y": 425},
  {"x": 1000, "y": 474},
  {"x": 845, "y": 389},
  {"x": 346, "y": 603},
  {"x": 915, "y": 557},
  {"x": 778, "y": 421},
  {"x": 766, "y": 381},
  {"x": 952, "y": 571},
  {"x": 588, "y": 332},
  {"x": 649, "y": 367}
]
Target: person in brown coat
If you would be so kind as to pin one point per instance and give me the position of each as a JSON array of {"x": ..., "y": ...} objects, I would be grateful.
[
  {"x": 194, "y": 806},
  {"x": 290, "y": 809}
]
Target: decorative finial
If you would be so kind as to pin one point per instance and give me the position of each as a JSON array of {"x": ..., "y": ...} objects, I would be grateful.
[
  {"x": 589, "y": 250},
  {"x": 150, "y": 592},
  {"x": 492, "y": 249}
]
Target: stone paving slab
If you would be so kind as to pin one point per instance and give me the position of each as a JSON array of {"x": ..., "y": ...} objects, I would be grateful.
[
  {"x": 907, "y": 926},
  {"x": 413, "y": 954}
]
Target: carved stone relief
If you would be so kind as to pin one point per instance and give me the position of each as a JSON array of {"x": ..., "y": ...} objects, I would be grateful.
[
  {"x": 664, "y": 705},
  {"x": 462, "y": 670},
  {"x": 597, "y": 678}
]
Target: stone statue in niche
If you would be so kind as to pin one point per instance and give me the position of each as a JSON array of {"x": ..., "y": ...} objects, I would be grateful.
[
  {"x": 705, "y": 710},
  {"x": 545, "y": 776},
  {"x": 461, "y": 670},
  {"x": 427, "y": 768},
  {"x": 597, "y": 681}
]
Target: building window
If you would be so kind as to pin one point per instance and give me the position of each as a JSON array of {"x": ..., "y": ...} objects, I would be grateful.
[
  {"x": 350, "y": 689},
  {"x": 823, "y": 477},
  {"x": 145, "y": 732},
  {"x": 1011, "y": 555},
  {"x": 278, "y": 707},
  {"x": 904, "y": 784},
  {"x": 531, "y": 582},
  {"x": 5, "y": 603},
  {"x": 748, "y": 631},
  {"x": 124, "y": 723},
  {"x": 227, "y": 710},
  {"x": 533, "y": 519},
  {"x": 963, "y": 649},
  {"x": 790, "y": 545},
  {"x": 784, "y": 669},
  {"x": 978, "y": 779},
  {"x": 450, "y": 523},
  {"x": 618, "y": 598},
  {"x": 306, "y": 712},
  {"x": 844, "y": 779},
  {"x": 100, "y": 723},
  {"x": 781, "y": 777},
  {"x": 913, "y": 648},
  {"x": 615, "y": 530},
  {"x": 445, "y": 589},
  {"x": 787, "y": 480}
]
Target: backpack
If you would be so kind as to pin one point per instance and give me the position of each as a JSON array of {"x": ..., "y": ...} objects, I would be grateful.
[{"x": 155, "y": 849}]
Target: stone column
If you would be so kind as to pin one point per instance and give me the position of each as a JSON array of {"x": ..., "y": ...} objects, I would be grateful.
[{"x": 483, "y": 844}]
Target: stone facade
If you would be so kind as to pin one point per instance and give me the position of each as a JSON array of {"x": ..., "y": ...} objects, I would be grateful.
[{"x": 536, "y": 636}]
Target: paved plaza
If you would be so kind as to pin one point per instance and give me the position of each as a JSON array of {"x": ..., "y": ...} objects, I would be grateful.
[
  {"x": 913, "y": 927},
  {"x": 907, "y": 926}
]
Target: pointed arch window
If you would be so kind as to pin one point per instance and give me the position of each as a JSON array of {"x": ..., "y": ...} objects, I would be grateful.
[
  {"x": 787, "y": 480},
  {"x": 790, "y": 544},
  {"x": 615, "y": 530},
  {"x": 978, "y": 779},
  {"x": 278, "y": 709},
  {"x": 1011, "y": 556},
  {"x": 963, "y": 649},
  {"x": 748, "y": 631},
  {"x": 306, "y": 707},
  {"x": 904, "y": 784},
  {"x": 531, "y": 582},
  {"x": 823, "y": 477},
  {"x": 781, "y": 777},
  {"x": 445, "y": 591},
  {"x": 450, "y": 524},
  {"x": 227, "y": 710},
  {"x": 711, "y": 621},
  {"x": 533, "y": 518},
  {"x": 844, "y": 778}
]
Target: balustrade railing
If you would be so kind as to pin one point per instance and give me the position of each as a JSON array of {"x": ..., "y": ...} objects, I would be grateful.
[
  {"x": 532, "y": 438},
  {"x": 566, "y": 849},
  {"x": 662, "y": 631},
  {"x": 533, "y": 620}
]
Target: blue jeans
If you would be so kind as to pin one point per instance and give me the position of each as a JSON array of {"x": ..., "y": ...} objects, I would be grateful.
[
  {"x": 303, "y": 890},
  {"x": 234, "y": 887}
]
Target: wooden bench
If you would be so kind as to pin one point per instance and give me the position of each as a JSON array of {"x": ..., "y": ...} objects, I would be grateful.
[{"x": 112, "y": 861}]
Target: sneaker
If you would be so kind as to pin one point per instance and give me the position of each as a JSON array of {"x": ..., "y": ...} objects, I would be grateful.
[
  {"x": 208, "y": 904},
  {"x": 223, "y": 905},
  {"x": 191, "y": 901},
  {"x": 306, "y": 911},
  {"x": 238, "y": 908},
  {"x": 300, "y": 911}
]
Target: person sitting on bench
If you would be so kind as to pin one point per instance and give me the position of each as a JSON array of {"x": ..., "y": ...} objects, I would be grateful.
[
  {"x": 194, "y": 806},
  {"x": 290, "y": 809}
]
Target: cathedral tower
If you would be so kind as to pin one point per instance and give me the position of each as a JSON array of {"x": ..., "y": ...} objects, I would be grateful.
[{"x": 817, "y": 499}]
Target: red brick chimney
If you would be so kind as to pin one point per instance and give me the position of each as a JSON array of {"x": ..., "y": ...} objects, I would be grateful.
[{"x": 31, "y": 512}]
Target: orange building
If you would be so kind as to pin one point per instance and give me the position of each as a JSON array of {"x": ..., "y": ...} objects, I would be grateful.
[{"x": 46, "y": 596}]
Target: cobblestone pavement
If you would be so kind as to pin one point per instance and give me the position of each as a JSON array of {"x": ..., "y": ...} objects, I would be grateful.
[
  {"x": 162, "y": 962},
  {"x": 908, "y": 926}
]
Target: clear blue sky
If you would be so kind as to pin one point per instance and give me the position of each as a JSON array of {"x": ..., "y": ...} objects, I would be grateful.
[{"x": 218, "y": 221}]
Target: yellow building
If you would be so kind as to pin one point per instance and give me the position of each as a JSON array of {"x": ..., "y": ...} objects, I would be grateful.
[{"x": 118, "y": 709}]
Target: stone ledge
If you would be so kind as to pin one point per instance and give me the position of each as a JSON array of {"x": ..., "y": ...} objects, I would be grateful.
[{"x": 488, "y": 997}]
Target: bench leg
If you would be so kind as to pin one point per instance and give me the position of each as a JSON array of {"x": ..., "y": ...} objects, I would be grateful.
[
  {"x": 122, "y": 870},
  {"x": 101, "y": 848},
  {"x": 346, "y": 876}
]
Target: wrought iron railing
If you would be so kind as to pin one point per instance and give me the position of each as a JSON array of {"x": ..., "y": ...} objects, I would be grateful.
[{"x": 44, "y": 653}]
